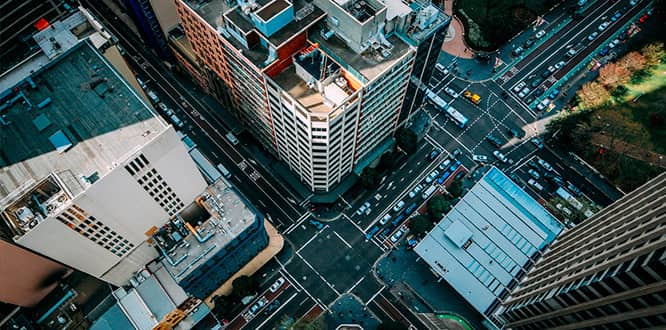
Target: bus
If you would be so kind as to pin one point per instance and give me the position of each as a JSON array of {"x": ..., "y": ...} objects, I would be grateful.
[
  {"x": 224, "y": 171},
  {"x": 457, "y": 117},
  {"x": 205, "y": 166},
  {"x": 435, "y": 99},
  {"x": 569, "y": 198}
]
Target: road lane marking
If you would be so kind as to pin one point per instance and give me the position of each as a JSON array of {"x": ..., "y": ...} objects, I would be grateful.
[
  {"x": 342, "y": 239},
  {"x": 277, "y": 310}
]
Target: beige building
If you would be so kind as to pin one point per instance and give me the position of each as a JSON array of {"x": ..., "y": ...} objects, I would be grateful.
[{"x": 608, "y": 272}]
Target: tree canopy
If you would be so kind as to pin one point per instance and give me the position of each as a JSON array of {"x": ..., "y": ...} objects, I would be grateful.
[
  {"x": 420, "y": 225},
  {"x": 406, "y": 140},
  {"x": 438, "y": 205},
  {"x": 370, "y": 178}
]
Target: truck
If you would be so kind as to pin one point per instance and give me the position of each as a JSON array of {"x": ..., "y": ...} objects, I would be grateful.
[
  {"x": 473, "y": 97},
  {"x": 429, "y": 192},
  {"x": 205, "y": 166}
]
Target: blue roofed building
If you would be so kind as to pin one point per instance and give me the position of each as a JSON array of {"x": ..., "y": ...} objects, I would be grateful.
[{"x": 488, "y": 241}]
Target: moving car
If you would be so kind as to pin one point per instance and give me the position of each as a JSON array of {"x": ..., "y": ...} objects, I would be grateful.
[
  {"x": 455, "y": 154},
  {"x": 592, "y": 36},
  {"x": 475, "y": 98},
  {"x": 434, "y": 154},
  {"x": 258, "y": 305},
  {"x": 535, "y": 184},
  {"x": 544, "y": 164},
  {"x": 571, "y": 53},
  {"x": 603, "y": 26},
  {"x": 550, "y": 70},
  {"x": 616, "y": 16},
  {"x": 560, "y": 64},
  {"x": 516, "y": 132},
  {"x": 480, "y": 158},
  {"x": 500, "y": 156},
  {"x": 534, "y": 174},
  {"x": 494, "y": 140},
  {"x": 451, "y": 92},
  {"x": 316, "y": 224},
  {"x": 537, "y": 142}
]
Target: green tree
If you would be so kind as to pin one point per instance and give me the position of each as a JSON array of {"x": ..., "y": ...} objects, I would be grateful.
[
  {"x": 639, "y": 76},
  {"x": 388, "y": 161},
  {"x": 244, "y": 286},
  {"x": 455, "y": 189},
  {"x": 619, "y": 92},
  {"x": 224, "y": 307},
  {"x": 406, "y": 140},
  {"x": 420, "y": 225},
  {"x": 437, "y": 206},
  {"x": 370, "y": 178},
  {"x": 391, "y": 325}
]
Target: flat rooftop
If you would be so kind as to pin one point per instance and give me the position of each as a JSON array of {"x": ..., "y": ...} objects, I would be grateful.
[
  {"x": 368, "y": 65},
  {"x": 228, "y": 216},
  {"x": 308, "y": 97},
  {"x": 75, "y": 116},
  {"x": 489, "y": 240}
]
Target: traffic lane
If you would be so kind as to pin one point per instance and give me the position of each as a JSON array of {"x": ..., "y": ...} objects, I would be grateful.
[
  {"x": 311, "y": 281},
  {"x": 266, "y": 318},
  {"x": 295, "y": 309},
  {"x": 572, "y": 35}
]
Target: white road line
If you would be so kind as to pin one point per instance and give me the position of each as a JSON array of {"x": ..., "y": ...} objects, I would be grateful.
[
  {"x": 356, "y": 284},
  {"x": 342, "y": 239},
  {"x": 375, "y": 295},
  {"x": 318, "y": 274},
  {"x": 298, "y": 222},
  {"x": 311, "y": 239},
  {"x": 277, "y": 310}
]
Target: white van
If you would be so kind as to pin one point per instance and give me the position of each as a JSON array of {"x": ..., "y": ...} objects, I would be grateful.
[
  {"x": 429, "y": 192},
  {"x": 232, "y": 138},
  {"x": 176, "y": 121},
  {"x": 153, "y": 96},
  {"x": 224, "y": 171}
]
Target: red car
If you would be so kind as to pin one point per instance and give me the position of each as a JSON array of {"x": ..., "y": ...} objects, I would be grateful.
[{"x": 643, "y": 18}]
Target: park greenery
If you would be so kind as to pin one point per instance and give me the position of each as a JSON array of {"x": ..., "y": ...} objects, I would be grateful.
[
  {"x": 617, "y": 121},
  {"x": 490, "y": 24}
]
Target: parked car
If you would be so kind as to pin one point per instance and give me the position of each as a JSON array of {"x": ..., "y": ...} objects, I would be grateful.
[
  {"x": 258, "y": 305},
  {"x": 399, "y": 206},
  {"x": 500, "y": 156},
  {"x": 516, "y": 132},
  {"x": 431, "y": 177},
  {"x": 517, "y": 51},
  {"x": 633, "y": 2},
  {"x": 535, "y": 184},
  {"x": 554, "y": 94},
  {"x": 455, "y": 154},
  {"x": 451, "y": 92},
  {"x": 518, "y": 87},
  {"x": 440, "y": 67},
  {"x": 614, "y": 43},
  {"x": 560, "y": 64},
  {"x": 271, "y": 307},
  {"x": 604, "y": 51},
  {"x": 533, "y": 164},
  {"x": 543, "y": 104},
  {"x": 533, "y": 173},
  {"x": 528, "y": 43},
  {"x": 396, "y": 237},
  {"x": 540, "y": 34},
  {"x": 643, "y": 19},
  {"x": 480, "y": 158},
  {"x": 363, "y": 208},
  {"x": 316, "y": 224},
  {"x": 443, "y": 165},
  {"x": 536, "y": 82},
  {"x": 537, "y": 142},
  {"x": 443, "y": 177},
  {"x": 529, "y": 100},
  {"x": 434, "y": 154},
  {"x": 539, "y": 91},
  {"x": 546, "y": 166},
  {"x": 415, "y": 191},
  {"x": 524, "y": 92},
  {"x": 385, "y": 219},
  {"x": 277, "y": 284}
]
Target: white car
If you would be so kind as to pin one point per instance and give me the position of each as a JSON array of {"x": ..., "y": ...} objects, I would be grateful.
[
  {"x": 385, "y": 219},
  {"x": 451, "y": 92},
  {"x": 534, "y": 174},
  {"x": 633, "y": 2},
  {"x": 543, "y": 104},
  {"x": 432, "y": 176},
  {"x": 363, "y": 209},
  {"x": 519, "y": 87},
  {"x": 560, "y": 64},
  {"x": 535, "y": 184},
  {"x": 441, "y": 68},
  {"x": 500, "y": 156},
  {"x": 399, "y": 206},
  {"x": 614, "y": 43},
  {"x": 445, "y": 164},
  {"x": 276, "y": 285},
  {"x": 524, "y": 92},
  {"x": 480, "y": 158},
  {"x": 603, "y": 26},
  {"x": 397, "y": 235},
  {"x": 415, "y": 191},
  {"x": 544, "y": 164},
  {"x": 592, "y": 36},
  {"x": 540, "y": 34}
]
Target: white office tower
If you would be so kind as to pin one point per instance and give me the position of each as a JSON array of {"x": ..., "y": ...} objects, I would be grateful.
[{"x": 87, "y": 169}]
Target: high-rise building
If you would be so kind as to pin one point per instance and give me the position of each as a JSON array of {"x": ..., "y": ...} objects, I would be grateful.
[
  {"x": 148, "y": 24},
  {"x": 19, "y": 20},
  {"x": 320, "y": 84},
  {"x": 607, "y": 273},
  {"x": 86, "y": 166}
]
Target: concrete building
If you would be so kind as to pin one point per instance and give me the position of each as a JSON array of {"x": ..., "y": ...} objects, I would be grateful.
[
  {"x": 488, "y": 241},
  {"x": 606, "y": 273},
  {"x": 320, "y": 84},
  {"x": 19, "y": 20},
  {"x": 211, "y": 240},
  {"x": 86, "y": 166},
  {"x": 148, "y": 23}
]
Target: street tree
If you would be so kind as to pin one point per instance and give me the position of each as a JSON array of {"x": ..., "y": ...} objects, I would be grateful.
[
  {"x": 653, "y": 52},
  {"x": 455, "y": 189},
  {"x": 633, "y": 61},
  {"x": 593, "y": 94},
  {"x": 437, "y": 206},
  {"x": 420, "y": 225},
  {"x": 370, "y": 178},
  {"x": 406, "y": 140},
  {"x": 612, "y": 74},
  {"x": 244, "y": 286}
]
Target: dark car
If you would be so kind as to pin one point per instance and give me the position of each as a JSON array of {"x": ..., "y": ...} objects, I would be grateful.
[
  {"x": 604, "y": 51},
  {"x": 517, "y": 133},
  {"x": 494, "y": 140},
  {"x": 455, "y": 154},
  {"x": 434, "y": 154},
  {"x": 538, "y": 92},
  {"x": 529, "y": 100},
  {"x": 528, "y": 43},
  {"x": 536, "y": 82},
  {"x": 517, "y": 51}
]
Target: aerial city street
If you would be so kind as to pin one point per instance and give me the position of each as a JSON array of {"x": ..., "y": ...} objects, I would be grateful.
[{"x": 332, "y": 164}]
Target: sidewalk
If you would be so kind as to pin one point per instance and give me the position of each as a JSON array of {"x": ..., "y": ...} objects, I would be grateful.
[{"x": 348, "y": 309}]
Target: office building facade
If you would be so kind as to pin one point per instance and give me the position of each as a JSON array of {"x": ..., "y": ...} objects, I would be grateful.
[
  {"x": 608, "y": 272},
  {"x": 319, "y": 84}
]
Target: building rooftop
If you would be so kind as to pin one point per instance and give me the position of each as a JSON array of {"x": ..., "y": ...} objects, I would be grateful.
[
  {"x": 217, "y": 217},
  {"x": 489, "y": 240},
  {"x": 76, "y": 116}
]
